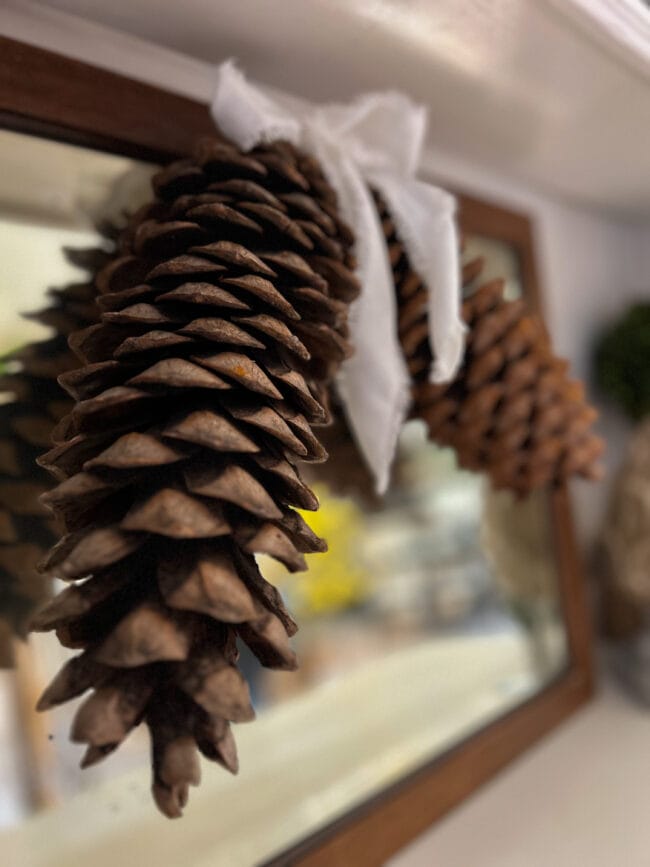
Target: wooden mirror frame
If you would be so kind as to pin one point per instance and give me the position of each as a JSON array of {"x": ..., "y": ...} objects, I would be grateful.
[{"x": 49, "y": 95}]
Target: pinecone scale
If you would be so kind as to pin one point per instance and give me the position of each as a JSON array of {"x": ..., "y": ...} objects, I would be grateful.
[{"x": 178, "y": 463}]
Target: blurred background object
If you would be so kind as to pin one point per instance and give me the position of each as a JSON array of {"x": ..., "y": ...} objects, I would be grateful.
[
  {"x": 622, "y": 365},
  {"x": 622, "y": 362}
]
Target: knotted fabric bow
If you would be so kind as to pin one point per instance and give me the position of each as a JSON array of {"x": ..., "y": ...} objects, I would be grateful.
[{"x": 374, "y": 141}]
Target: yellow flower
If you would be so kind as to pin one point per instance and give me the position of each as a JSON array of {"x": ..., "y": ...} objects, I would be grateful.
[{"x": 336, "y": 580}]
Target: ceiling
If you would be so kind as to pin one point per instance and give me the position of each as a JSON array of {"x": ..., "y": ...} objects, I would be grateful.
[{"x": 516, "y": 85}]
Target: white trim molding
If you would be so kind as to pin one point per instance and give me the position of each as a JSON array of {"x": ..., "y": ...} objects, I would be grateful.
[{"x": 621, "y": 26}]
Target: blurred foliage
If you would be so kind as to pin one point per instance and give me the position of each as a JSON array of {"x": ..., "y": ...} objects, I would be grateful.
[
  {"x": 336, "y": 580},
  {"x": 622, "y": 361}
]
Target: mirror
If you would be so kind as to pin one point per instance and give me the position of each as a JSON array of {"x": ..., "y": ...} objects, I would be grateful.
[
  {"x": 436, "y": 611},
  {"x": 52, "y": 198}
]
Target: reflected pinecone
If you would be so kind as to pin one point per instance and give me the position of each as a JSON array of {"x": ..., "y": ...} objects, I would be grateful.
[
  {"x": 36, "y": 403},
  {"x": 222, "y": 323},
  {"x": 511, "y": 411}
]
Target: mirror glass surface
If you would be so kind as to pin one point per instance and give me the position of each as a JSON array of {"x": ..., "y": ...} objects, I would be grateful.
[{"x": 435, "y": 611}]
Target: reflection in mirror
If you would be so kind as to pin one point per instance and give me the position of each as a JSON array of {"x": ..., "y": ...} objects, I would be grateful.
[
  {"x": 500, "y": 261},
  {"x": 435, "y": 611},
  {"x": 59, "y": 209},
  {"x": 53, "y": 196}
]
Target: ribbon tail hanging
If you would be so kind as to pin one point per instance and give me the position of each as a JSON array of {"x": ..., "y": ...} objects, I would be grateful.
[
  {"x": 374, "y": 383},
  {"x": 424, "y": 216}
]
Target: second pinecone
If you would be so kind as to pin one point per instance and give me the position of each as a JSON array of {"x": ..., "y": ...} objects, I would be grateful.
[{"x": 511, "y": 410}]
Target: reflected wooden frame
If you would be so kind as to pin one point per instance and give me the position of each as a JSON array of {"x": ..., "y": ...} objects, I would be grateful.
[{"x": 52, "y": 96}]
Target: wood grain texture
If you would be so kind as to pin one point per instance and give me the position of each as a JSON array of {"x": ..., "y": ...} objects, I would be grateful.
[{"x": 56, "y": 97}]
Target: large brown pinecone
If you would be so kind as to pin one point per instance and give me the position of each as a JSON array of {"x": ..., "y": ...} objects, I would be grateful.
[
  {"x": 36, "y": 403},
  {"x": 222, "y": 323},
  {"x": 511, "y": 411}
]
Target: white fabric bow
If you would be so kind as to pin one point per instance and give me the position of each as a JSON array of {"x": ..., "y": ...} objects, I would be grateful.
[{"x": 374, "y": 141}]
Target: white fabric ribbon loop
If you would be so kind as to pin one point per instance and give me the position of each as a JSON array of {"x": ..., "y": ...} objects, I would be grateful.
[{"x": 374, "y": 141}]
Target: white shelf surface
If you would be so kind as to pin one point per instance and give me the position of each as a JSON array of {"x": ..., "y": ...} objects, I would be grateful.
[{"x": 579, "y": 799}]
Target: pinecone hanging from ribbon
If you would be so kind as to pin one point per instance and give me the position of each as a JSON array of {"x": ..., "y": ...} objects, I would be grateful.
[
  {"x": 222, "y": 322},
  {"x": 36, "y": 404},
  {"x": 511, "y": 411}
]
